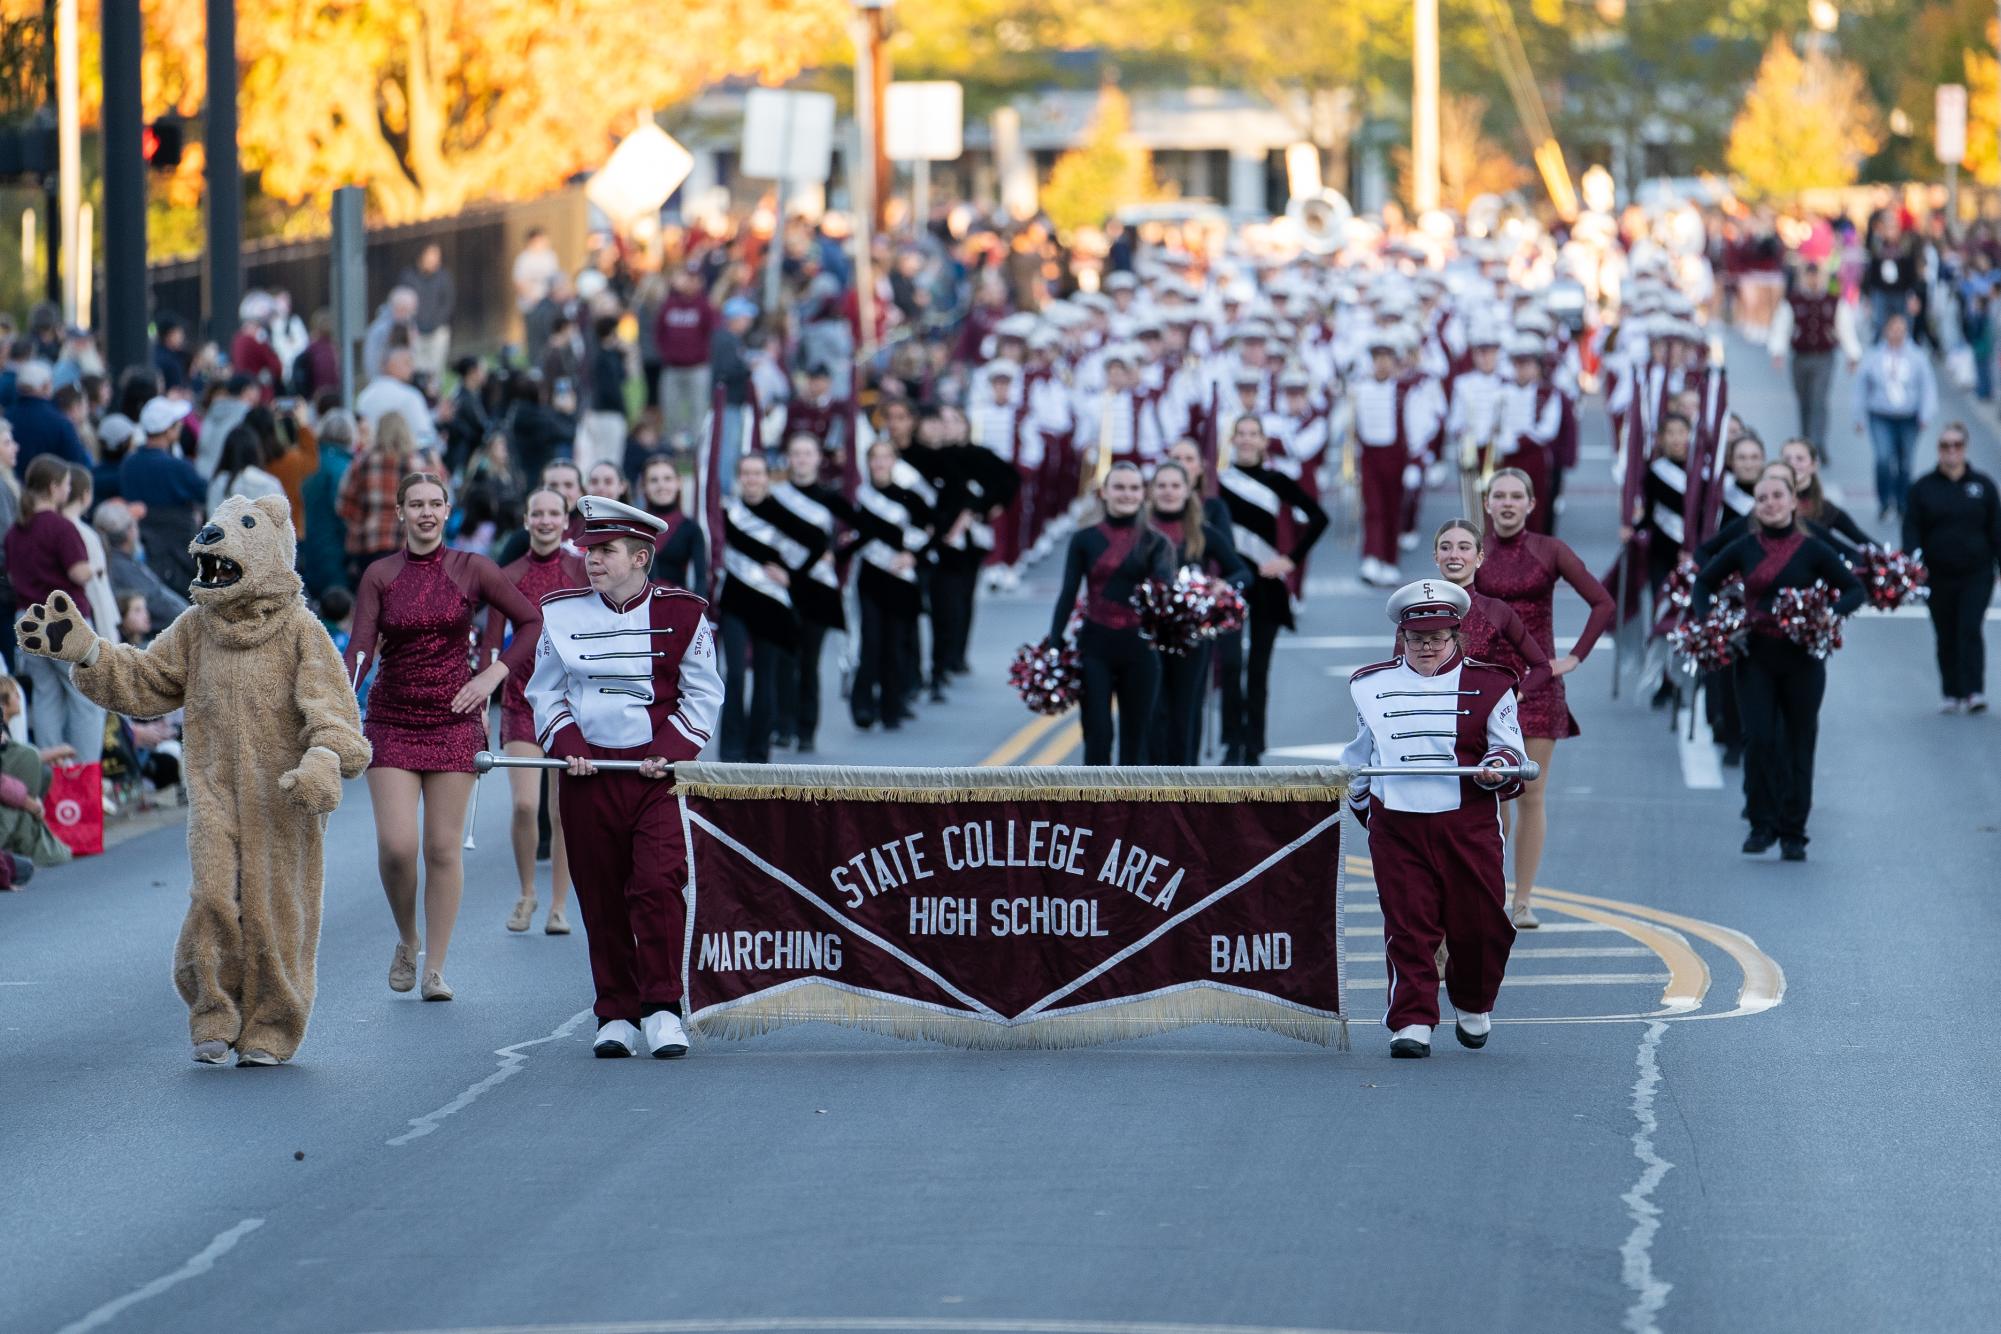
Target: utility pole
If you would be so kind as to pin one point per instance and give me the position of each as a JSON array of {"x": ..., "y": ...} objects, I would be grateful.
[
  {"x": 222, "y": 263},
  {"x": 69, "y": 165},
  {"x": 875, "y": 30},
  {"x": 125, "y": 290},
  {"x": 1424, "y": 106}
]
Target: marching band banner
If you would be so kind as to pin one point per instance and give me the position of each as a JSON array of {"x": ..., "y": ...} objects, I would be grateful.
[{"x": 1014, "y": 907}]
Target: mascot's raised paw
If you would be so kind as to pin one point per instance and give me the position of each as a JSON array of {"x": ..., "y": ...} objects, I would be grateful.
[
  {"x": 56, "y": 629},
  {"x": 315, "y": 784}
]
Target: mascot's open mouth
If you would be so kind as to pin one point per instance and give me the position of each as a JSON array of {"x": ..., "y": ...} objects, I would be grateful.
[{"x": 212, "y": 571}]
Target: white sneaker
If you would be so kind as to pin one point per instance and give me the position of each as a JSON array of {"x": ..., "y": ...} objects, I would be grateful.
[
  {"x": 616, "y": 1038},
  {"x": 1524, "y": 918},
  {"x": 665, "y": 1037},
  {"x": 1472, "y": 1030},
  {"x": 1369, "y": 567},
  {"x": 1412, "y": 1041}
]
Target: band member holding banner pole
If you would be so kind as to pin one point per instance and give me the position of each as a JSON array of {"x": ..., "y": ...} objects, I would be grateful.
[
  {"x": 1435, "y": 839},
  {"x": 625, "y": 670}
]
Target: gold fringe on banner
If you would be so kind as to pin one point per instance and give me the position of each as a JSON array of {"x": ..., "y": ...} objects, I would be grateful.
[
  {"x": 801, "y": 782},
  {"x": 1177, "y": 1007}
]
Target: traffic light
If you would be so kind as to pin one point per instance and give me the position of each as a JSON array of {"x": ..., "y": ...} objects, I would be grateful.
[{"x": 161, "y": 143}]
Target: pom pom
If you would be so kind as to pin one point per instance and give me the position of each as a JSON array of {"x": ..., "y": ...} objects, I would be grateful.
[
  {"x": 1710, "y": 642},
  {"x": 1893, "y": 579},
  {"x": 1806, "y": 616},
  {"x": 1047, "y": 676},
  {"x": 1226, "y": 610},
  {"x": 1678, "y": 589},
  {"x": 1179, "y": 617}
]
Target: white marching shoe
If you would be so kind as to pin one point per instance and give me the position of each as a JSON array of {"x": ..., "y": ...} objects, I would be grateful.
[
  {"x": 1407, "y": 542},
  {"x": 1411, "y": 1042},
  {"x": 665, "y": 1037},
  {"x": 616, "y": 1038},
  {"x": 1472, "y": 1029}
]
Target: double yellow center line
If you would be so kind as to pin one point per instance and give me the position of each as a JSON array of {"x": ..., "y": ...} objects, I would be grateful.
[{"x": 1036, "y": 735}]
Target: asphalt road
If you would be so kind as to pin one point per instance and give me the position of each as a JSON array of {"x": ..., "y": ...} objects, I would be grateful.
[{"x": 1803, "y": 1141}]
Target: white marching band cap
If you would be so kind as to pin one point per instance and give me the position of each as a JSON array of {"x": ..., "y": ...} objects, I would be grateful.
[
  {"x": 606, "y": 520},
  {"x": 1429, "y": 603},
  {"x": 1524, "y": 346}
]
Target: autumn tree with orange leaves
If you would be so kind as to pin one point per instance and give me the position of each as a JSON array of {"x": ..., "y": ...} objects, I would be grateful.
[{"x": 435, "y": 104}]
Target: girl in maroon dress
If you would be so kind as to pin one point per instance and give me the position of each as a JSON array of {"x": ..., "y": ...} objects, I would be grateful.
[
  {"x": 1522, "y": 569},
  {"x": 413, "y": 623},
  {"x": 546, "y": 568},
  {"x": 1490, "y": 627}
]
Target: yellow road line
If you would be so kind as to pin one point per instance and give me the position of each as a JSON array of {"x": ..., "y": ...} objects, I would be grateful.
[
  {"x": 1059, "y": 747},
  {"x": 1015, "y": 746},
  {"x": 1764, "y": 982},
  {"x": 1688, "y": 976}
]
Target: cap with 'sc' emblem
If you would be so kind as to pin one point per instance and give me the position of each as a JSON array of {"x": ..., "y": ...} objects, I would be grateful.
[
  {"x": 605, "y": 520},
  {"x": 1429, "y": 604}
]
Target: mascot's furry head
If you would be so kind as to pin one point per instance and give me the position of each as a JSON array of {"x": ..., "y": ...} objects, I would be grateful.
[{"x": 244, "y": 573}]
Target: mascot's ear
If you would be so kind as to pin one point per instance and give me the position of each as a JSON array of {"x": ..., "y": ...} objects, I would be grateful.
[{"x": 275, "y": 508}]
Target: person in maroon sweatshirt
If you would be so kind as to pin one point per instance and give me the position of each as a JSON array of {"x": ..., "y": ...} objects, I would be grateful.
[{"x": 681, "y": 332}]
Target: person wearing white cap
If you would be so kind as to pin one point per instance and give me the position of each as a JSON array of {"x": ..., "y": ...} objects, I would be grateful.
[
  {"x": 1473, "y": 425},
  {"x": 173, "y": 493},
  {"x": 625, "y": 833},
  {"x": 1435, "y": 839},
  {"x": 1384, "y": 419}
]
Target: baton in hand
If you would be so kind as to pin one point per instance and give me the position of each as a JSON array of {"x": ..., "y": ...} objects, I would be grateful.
[{"x": 486, "y": 761}]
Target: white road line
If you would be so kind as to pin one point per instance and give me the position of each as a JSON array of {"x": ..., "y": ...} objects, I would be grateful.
[
  {"x": 1701, "y": 767},
  {"x": 1540, "y": 980},
  {"x": 893, "y": 1324},
  {"x": 1650, "y": 1292},
  {"x": 511, "y": 1060},
  {"x": 198, "y": 1264}
]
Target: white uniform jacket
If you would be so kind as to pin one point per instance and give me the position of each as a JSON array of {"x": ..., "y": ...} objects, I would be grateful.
[
  {"x": 1465, "y": 715},
  {"x": 631, "y": 681}
]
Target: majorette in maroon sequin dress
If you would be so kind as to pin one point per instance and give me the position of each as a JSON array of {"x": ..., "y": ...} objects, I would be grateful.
[
  {"x": 536, "y": 577},
  {"x": 413, "y": 621},
  {"x": 1523, "y": 571}
]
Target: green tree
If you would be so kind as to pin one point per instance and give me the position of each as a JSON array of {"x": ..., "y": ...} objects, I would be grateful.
[
  {"x": 1107, "y": 172},
  {"x": 1806, "y": 123}
]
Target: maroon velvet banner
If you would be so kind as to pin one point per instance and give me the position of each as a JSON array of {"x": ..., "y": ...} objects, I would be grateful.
[{"x": 1010, "y": 920}]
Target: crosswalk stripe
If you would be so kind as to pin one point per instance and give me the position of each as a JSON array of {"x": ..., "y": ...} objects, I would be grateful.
[
  {"x": 1556, "y": 952},
  {"x": 1538, "y": 980},
  {"x": 1546, "y": 929}
]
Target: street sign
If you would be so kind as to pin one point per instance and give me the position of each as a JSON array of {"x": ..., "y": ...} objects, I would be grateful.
[
  {"x": 643, "y": 171},
  {"x": 1949, "y": 121},
  {"x": 924, "y": 122},
  {"x": 788, "y": 136}
]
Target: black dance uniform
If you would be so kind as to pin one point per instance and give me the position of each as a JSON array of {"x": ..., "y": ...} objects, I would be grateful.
[
  {"x": 1184, "y": 678},
  {"x": 1109, "y": 561},
  {"x": 967, "y": 480},
  {"x": 821, "y": 509},
  {"x": 760, "y": 622},
  {"x": 891, "y": 521},
  {"x": 1779, "y": 684},
  {"x": 1664, "y": 504},
  {"x": 1956, "y": 525},
  {"x": 1270, "y": 515},
  {"x": 681, "y": 554}
]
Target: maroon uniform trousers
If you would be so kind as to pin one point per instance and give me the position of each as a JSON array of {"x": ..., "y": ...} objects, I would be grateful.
[
  {"x": 1439, "y": 878},
  {"x": 630, "y": 866},
  {"x": 1382, "y": 498}
]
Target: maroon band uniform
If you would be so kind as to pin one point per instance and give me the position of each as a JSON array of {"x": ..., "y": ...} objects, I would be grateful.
[
  {"x": 1436, "y": 839},
  {"x": 626, "y": 681}
]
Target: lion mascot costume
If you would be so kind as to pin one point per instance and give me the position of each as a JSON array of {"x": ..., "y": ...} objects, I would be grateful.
[{"x": 271, "y": 730}]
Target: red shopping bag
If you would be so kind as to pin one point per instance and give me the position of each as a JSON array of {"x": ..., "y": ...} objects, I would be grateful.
[{"x": 74, "y": 807}]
